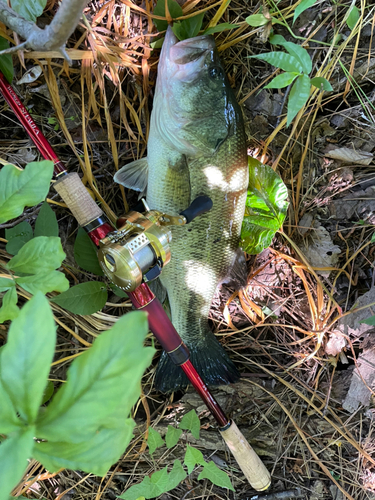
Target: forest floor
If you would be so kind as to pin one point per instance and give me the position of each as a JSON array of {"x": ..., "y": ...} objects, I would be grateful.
[{"x": 307, "y": 362}]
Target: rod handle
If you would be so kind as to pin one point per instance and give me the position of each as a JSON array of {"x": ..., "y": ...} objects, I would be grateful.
[
  {"x": 249, "y": 462},
  {"x": 78, "y": 199}
]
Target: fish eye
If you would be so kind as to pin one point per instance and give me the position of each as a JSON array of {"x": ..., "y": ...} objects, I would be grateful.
[{"x": 215, "y": 72}]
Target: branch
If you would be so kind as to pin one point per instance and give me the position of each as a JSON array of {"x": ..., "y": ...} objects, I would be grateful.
[{"x": 53, "y": 36}]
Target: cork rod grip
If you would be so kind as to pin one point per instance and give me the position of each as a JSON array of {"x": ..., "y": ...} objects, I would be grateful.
[
  {"x": 251, "y": 465},
  {"x": 78, "y": 199}
]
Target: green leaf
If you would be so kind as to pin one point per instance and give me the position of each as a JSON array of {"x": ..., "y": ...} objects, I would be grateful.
[
  {"x": 6, "y": 284},
  {"x": 192, "y": 458},
  {"x": 304, "y": 5},
  {"x": 85, "y": 298},
  {"x": 281, "y": 60},
  {"x": 353, "y": 17},
  {"x": 54, "y": 281},
  {"x": 48, "y": 392},
  {"x": 159, "y": 483},
  {"x": 6, "y": 62},
  {"x": 281, "y": 81},
  {"x": 85, "y": 253},
  {"x": 257, "y": 20},
  {"x": 26, "y": 357},
  {"x": 174, "y": 10},
  {"x": 294, "y": 50},
  {"x": 154, "y": 440},
  {"x": 46, "y": 222},
  {"x": 102, "y": 384},
  {"x": 8, "y": 416},
  {"x": 172, "y": 436},
  {"x": 266, "y": 207},
  {"x": 319, "y": 82},
  {"x": 216, "y": 476},
  {"x": 29, "y": 10},
  {"x": 14, "y": 453},
  {"x": 157, "y": 44},
  {"x": 191, "y": 422},
  {"x": 372, "y": 241},
  {"x": 220, "y": 27},
  {"x": 95, "y": 455},
  {"x": 298, "y": 97},
  {"x": 369, "y": 321},
  {"x": 20, "y": 188},
  {"x": 9, "y": 309},
  {"x": 17, "y": 236},
  {"x": 188, "y": 28},
  {"x": 39, "y": 255}
]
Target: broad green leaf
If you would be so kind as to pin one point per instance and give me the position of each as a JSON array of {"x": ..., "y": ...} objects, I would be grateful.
[
  {"x": 159, "y": 483},
  {"x": 188, "y": 28},
  {"x": 369, "y": 321},
  {"x": 157, "y": 44},
  {"x": 191, "y": 422},
  {"x": 266, "y": 207},
  {"x": 257, "y": 20},
  {"x": 46, "y": 222},
  {"x": 95, "y": 454},
  {"x": 115, "y": 289},
  {"x": 353, "y": 17},
  {"x": 281, "y": 60},
  {"x": 39, "y": 255},
  {"x": 281, "y": 81},
  {"x": 172, "y": 436},
  {"x": 174, "y": 10},
  {"x": 298, "y": 97},
  {"x": 29, "y": 10},
  {"x": 192, "y": 458},
  {"x": 154, "y": 440},
  {"x": 20, "y": 188},
  {"x": 8, "y": 416},
  {"x": 216, "y": 476},
  {"x": 85, "y": 298},
  {"x": 102, "y": 384},
  {"x": 85, "y": 253},
  {"x": 176, "y": 475},
  {"x": 14, "y": 453},
  {"x": 294, "y": 50},
  {"x": 6, "y": 61},
  {"x": 54, "y": 281},
  {"x": 304, "y": 5},
  {"x": 372, "y": 241},
  {"x": 220, "y": 27},
  {"x": 48, "y": 392},
  {"x": 9, "y": 309},
  {"x": 319, "y": 82},
  {"x": 26, "y": 357},
  {"x": 6, "y": 284},
  {"x": 17, "y": 236}
]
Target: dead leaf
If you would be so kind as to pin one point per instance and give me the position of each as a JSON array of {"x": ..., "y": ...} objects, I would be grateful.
[
  {"x": 319, "y": 249},
  {"x": 335, "y": 344},
  {"x": 348, "y": 155}
]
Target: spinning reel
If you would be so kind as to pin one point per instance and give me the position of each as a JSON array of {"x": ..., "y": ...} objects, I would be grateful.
[{"x": 139, "y": 249}]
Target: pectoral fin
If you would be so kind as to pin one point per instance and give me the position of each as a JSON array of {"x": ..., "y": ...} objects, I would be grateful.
[{"x": 134, "y": 175}]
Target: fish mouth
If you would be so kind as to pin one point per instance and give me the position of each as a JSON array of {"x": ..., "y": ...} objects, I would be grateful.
[{"x": 185, "y": 51}]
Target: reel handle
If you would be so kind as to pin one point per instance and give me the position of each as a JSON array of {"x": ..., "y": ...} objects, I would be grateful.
[{"x": 199, "y": 206}]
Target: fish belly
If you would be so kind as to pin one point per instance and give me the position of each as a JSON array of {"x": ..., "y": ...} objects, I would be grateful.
[{"x": 202, "y": 252}]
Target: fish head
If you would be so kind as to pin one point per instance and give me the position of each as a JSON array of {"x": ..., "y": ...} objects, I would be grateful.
[{"x": 194, "y": 107}]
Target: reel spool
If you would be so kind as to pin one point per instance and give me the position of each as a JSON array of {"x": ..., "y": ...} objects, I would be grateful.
[{"x": 139, "y": 249}]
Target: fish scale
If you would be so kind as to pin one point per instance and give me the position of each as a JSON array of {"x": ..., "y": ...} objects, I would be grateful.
[{"x": 196, "y": 147}]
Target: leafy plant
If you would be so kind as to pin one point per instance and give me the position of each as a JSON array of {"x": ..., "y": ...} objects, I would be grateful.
[
  {"x": 87, "y": 424},
  {"x": 352, "y": 17},
  {"x": 161, "y": 481},
  {"x": 297, "y": 66},
  {"x": 266, "y": 207},
  {"x": 187, "y": 28}
]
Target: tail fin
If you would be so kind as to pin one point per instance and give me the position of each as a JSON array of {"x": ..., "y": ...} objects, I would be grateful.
[{"x": 209, "y": 359}]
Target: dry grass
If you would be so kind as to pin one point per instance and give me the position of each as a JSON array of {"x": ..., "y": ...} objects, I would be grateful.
[{"x": 306, "y": 436}]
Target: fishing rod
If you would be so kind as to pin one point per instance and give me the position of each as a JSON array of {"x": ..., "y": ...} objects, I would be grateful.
[{"x": 132, "y": 254}]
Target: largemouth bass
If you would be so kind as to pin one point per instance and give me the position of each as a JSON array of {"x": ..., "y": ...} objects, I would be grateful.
[{"x": 196, "y": 147}]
